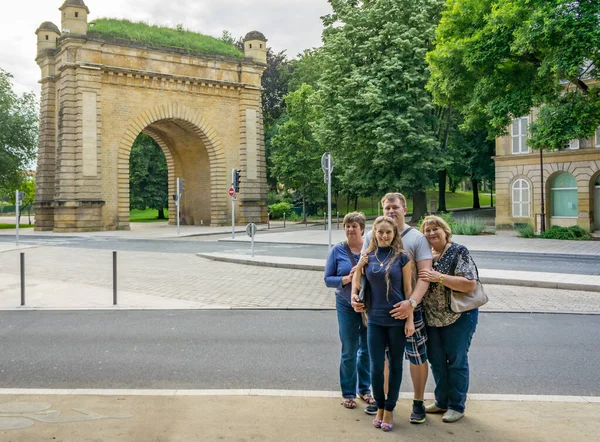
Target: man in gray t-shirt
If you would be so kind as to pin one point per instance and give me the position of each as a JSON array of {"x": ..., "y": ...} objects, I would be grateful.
[{"x": 419, "y": 251}]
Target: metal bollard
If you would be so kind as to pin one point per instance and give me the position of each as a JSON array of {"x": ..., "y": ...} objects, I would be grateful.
[
  {"x": 284, "y": 220},
  {"x": 114, "y": 277},
  {"x": 324, "y": 220},
  {"x": 22, "y": 278},
  {"x": 338, "y": 220},
  {"x": 268, "y": 220}
]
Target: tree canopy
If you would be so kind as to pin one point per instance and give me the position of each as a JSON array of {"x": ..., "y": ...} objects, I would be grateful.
[
  {"x": 497, "y": 59},
  {"x": 377, "y": 116},
  {"x": 18, "y": 132}
]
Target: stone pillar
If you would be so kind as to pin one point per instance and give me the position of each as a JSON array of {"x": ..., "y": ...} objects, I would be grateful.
[
  {"x": 44, "y": 192},
  {"x": 253, "y": 194}
]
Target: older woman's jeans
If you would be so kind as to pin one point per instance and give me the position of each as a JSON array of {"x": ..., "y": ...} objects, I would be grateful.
[
  {"x": 379, "y": 338},
  {"x": 447, "y": 350},
  {"x": 354, "y": 366}
]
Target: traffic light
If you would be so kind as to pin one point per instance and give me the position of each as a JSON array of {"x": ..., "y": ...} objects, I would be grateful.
[
  {"x": 235, "y": 178},
  {"x": 181, "y": 186}
]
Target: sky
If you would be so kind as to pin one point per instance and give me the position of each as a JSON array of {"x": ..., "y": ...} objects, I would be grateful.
[{"x": 293, "y": 25}]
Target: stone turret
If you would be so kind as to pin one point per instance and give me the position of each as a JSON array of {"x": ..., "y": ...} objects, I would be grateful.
[
  {"x": 255, "y": 46},
  {"x": 74, "y": 17},
  {"x": 47, "y": 35}
]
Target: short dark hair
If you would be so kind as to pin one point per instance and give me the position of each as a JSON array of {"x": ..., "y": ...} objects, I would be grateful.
[
  {"x": 394, "y": 196},
  {"x": 356, "y": 217}
]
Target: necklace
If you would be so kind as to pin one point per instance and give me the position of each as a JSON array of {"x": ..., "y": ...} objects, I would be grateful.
[{"x": 381, "y": 263}]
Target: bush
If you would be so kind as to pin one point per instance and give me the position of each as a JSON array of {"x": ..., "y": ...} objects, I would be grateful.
[
  {"x": 468, "y": 226},
  {"x": 525, "y": 230},
  {"x": 446, "y": 216},
  {"x": 558, "y": 232},
  {"x": 276, "y": 210}
]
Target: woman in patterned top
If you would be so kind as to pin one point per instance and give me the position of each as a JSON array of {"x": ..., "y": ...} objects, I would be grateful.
[{"x": 449, "y": 333}]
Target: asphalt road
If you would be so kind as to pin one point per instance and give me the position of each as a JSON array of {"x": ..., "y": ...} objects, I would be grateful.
[
  {"x": 574, "y": 264},
  {"x": 511, "y": 353}
]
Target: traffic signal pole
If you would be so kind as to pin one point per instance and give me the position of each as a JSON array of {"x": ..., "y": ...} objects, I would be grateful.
[
  {"x": 177, "y": 203},
  {"x": 17, "y": 204}
]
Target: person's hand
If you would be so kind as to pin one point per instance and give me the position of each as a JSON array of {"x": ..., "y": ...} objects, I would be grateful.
[
  {"x": 409, "y": 328},
  {"x": 429, "y": 275},
  {"x": 364, "y": 260},
  {"x": 351, "y": 274},
  {"x": 356, "y": 304},
  {"x": 401, "y": 310}
]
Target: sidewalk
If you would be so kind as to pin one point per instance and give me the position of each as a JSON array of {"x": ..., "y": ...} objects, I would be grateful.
[{"x": 243, "y": 416}]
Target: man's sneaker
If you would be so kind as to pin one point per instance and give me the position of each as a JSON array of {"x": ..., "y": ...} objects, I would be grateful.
[
  {"x": 418, "y": 413},
  {"x": 452, "y": 416},
  {"x": 371, "y": 409},
  {"x": 432, "y": 408}
]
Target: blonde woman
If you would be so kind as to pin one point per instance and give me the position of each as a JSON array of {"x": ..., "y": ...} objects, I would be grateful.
[{"x": 388, "y": 271}]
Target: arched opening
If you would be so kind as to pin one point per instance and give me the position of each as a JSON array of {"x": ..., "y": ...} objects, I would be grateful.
[
  {"x": 148, "y": 180},
  {"x": 596, "y": 201},
  {"x": 564, "y": 205}
]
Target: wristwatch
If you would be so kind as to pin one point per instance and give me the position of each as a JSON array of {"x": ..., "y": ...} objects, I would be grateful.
[
  {"x": 441, "y": 280},
  {"x": 413, "y": 303}
]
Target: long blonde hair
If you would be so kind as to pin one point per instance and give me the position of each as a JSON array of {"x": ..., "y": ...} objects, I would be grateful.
[{"x": 396, "y": 245}]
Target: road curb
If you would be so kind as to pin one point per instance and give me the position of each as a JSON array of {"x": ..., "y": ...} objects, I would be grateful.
[{"x": 319, "y": 266}]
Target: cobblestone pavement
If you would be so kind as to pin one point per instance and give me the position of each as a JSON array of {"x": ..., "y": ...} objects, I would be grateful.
[{"x": 224, "y": 285}]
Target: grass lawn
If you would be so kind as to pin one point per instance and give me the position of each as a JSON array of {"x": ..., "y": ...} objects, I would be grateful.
[
  {"x": 161, "y": 36},
  {"x": 12, "y": 226},
  {"x": 453, "y": 201},
  {"x": 146, "y": 216}
]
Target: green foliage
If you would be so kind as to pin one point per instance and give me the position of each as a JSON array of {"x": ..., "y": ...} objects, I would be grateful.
[
  {"x": 468, "y": 226},
  {"x": 6, "y": 226},
  {"x": 446, "y": 216},
  {"x": 296, "y": 154},
  {"x": 18, "y": 134},
  {"x": 525, "y": 230},
  {"x": 573, "y": 233},
  {"x": 277, "y": 210},
  {"x": 148, "y": 175},
  {"x": 306, "y": 69},
  {"x": 146, "y": 216},
  {"x": 378, "y": 120},
  {"x": 497, "y": 59},
  {"x": 162, "y": 36}
]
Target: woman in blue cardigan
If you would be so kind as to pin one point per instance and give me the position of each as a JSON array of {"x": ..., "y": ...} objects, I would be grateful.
[{"x": 339, "y": 269}]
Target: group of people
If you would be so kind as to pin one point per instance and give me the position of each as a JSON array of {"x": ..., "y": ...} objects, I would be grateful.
[{"x": 408, "y": 275}]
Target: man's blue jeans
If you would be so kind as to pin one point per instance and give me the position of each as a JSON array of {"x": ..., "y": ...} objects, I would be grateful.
[
  {"x": 379, "y": 338},
  {"x": 447, "y": 350},
  {"x": 354, "y": 366}
]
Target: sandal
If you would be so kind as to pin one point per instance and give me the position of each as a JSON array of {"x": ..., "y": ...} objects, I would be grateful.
[
  {"x": 367, "y": 398},
  {"x": 349, "y": 403}
]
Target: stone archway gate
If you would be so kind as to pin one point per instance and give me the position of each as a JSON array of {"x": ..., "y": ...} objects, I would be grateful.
[{"x": 99, "y": 94}]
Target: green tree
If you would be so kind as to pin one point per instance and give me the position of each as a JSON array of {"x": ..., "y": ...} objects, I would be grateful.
[
  {"x": 305, "y": 69},
  {"x": 296, "y": 155},
  {"x": 377, "y": 116},
  {"x": 148, "y": 176},
  {"x": 497, "y": 59},
  {"x": 18, "y": 133}
]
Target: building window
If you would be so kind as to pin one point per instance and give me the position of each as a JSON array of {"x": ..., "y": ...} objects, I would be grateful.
[
  {"x": 520, "y": 199},
  {"x": 572, "y": 145},
  {"x": 564, "y": 195},
  {"x": 520, "y": 132},
  {"x": 597, "y": 137},
  {"x": 46, "y": 37},
  {"x": 76, "y": 14},
  {"x": 250, "y": 45}
]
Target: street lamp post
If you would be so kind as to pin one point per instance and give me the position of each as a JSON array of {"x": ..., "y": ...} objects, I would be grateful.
[{"x": 543, "y": 213}]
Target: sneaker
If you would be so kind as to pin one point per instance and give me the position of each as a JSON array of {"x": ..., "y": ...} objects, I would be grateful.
[
  {"x": 452, "y": 416},
  {"x": 371, "y": 409},
  {"x": 433, "y": 408},
  {"x": 418, "y": 413}
]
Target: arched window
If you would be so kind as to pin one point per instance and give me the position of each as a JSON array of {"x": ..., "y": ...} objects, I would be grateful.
[
  {"x": 564, "y": 195},
  {"x": 520, "y": 199}
]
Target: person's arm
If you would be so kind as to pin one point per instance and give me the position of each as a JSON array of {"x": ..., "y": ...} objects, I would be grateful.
[
  {"x": 332, "y": 279},
  {"x": 403, "y": 308},
  {"x": 356, "y": 305},
  {"x": 409, "y": 326},
  {"x": 458, "y": 283}
]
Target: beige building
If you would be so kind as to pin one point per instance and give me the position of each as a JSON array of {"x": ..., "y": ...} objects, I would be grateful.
[
  {"x": 571, "y": 181},
  {"x": 100, "y": 93}
]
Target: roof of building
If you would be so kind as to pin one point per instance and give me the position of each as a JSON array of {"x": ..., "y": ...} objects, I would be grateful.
[
  {"x": 255, "y": 35},
  {"x": 79, "y": 3},
  {"x": 48, "y": 26}
]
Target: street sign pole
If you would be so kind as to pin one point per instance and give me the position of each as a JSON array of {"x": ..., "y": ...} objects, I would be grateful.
[
  {"x": 17, "y": 214},
  {"x": 251, "y": 231},
  {"x": 329, "y": 168},
  {"x": 177, "y": 203}
]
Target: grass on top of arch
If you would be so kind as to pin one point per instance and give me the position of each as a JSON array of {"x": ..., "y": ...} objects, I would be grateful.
[{"x": 141, "y": 32}]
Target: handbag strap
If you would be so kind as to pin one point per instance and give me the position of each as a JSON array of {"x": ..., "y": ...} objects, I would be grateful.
[
  {"x": 405, "y": 231},
  {"x": 455, "y": 263},
  {"x": 350, "y": 254}
]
